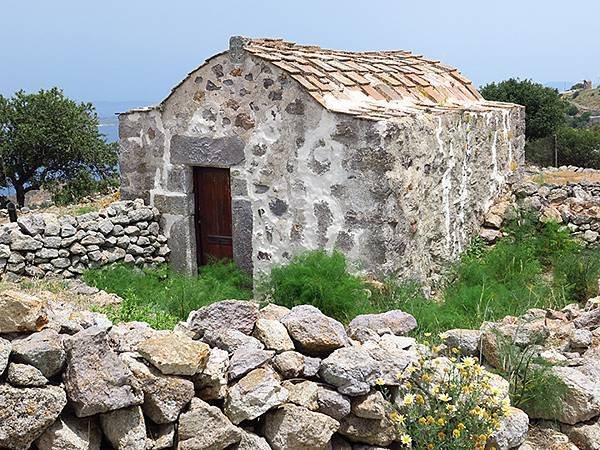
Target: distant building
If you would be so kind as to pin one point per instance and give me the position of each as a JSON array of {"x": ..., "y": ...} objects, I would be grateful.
[{"x": 272, "y": 148}]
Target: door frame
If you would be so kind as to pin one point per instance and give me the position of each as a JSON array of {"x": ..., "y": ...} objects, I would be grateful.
[
  {"x": 202, "y": 240},
  {"x": 187, "y": 152}
]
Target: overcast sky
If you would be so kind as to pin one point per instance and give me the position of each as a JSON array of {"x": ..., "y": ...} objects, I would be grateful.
[{"x": 136, "y": 50}]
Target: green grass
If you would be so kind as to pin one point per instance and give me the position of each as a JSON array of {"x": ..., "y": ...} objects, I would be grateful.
[
  {"x": 162, "y": 297},
  {"x": 319, "y": 279},
  {"x": 537, "y": 265},
  {"x": 533, "y": 386}
]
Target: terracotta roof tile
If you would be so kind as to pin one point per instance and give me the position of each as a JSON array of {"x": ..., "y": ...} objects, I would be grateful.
[{"x": 372, "y": 84}]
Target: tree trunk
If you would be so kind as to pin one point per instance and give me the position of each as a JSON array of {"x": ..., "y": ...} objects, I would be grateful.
[{"x": 20, "y": 194}]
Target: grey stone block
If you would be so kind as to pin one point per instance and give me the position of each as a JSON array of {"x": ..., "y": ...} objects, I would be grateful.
[{"x": 206, "y": 151}]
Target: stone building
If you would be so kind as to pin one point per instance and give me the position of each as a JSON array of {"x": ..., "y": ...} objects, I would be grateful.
[{"x": 271, "y": 148}]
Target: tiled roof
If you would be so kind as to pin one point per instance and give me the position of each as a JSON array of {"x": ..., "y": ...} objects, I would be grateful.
[{"x": 374, "y": 85}]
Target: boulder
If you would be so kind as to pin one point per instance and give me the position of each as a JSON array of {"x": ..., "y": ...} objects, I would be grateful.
[
  {"x": 236, "y": 314},
  {"x": 381, "y": 432},
  {"x": 43, "y": 350},
  {"x": 125, "y": 337},
  {"x": 490, "y": 235},
  {"x": 162, "y": 436},
  {"x": 352, "y": 370},
  {"x": 246, "y": 359},
  {"x": 165, "y": 396},
  {"x": 254, "y": 395},
  {"x": 313, "y": 331},
  {"x": 510, "y": 331},
  {"x": 22, "y": 375},
  {"x": 580, "y": 339},
  {"x": 513, "y": 430},
  {"x": 391, "y": 358},
  {"x": 303, "y": 393},
  {"x": 205, "y": 427},
  {"x": 581, "y": 402},
  {"x": 273, "y": 312},
  {"x": 273, "y": 335},
  {"x": 125, "y": 428},
  {"x": 251, "y": 441},
  {"x": 370, "y": 406},
  {"x": 584, "y": 435},
  {"x": 211, "y": 383},
  {"x": 466, "y": 341},
  {"x": 589, "y": 319},
  {"x": 175, "y": 354},
  {"x": 292, "y": 427},
  {"x": 31, "y": 224},
  {"x": 230, "y": 340},
  {"x": 4, "y": 251},
  {"x": 333, "y": 403},
  {"x": 22, "y": 242},
  {"x": 71, "y": 433},
  {"x": 5, "y": 349},
  {"x": 27, "y": 412},
  {"x": 289, "y": 364},
  {"x": 395, "y": 322},
  {"x": 311, "y": 367},
  {"x": 96, "y": 379},
  {"x": 545, "y": 437},
  {"x": 21, "y": 312}
]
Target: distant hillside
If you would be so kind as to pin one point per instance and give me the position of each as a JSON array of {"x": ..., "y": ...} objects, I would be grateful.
[{"x": 586, "y": 100}]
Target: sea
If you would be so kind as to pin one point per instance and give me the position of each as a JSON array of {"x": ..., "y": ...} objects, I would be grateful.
[{"x": 107, "y": 114}]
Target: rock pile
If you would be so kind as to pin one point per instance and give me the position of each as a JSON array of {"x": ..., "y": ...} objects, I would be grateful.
[
  {"x": 575, "y": 204},
  {"x": 41, "y": 244},
  {"x": 569, "y": 341},
  {"x": 232, "y": 376}
]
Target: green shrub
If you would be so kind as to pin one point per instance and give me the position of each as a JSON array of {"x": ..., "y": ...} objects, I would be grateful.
[
  {"x": 160, "y": 289},
  {"x": 319, "y": 279},
  {"x": 579, "y": 147},
  {"x": 578, "y": 274},
  {"x": 532, "y": 385}
]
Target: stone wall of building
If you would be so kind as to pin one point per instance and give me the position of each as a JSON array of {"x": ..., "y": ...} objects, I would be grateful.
[
  {"x": 41, "y": 244},
  {"x": 398, "y": 197}
]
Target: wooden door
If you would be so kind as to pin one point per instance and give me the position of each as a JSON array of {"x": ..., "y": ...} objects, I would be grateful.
[{"x": 213, "y": 214}]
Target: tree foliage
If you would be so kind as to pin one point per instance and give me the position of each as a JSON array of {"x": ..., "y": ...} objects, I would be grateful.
[
  {"x": 579, "y": 147},
  {"x": 545, "y": 110},
  {"x": 47, "y": 138}
]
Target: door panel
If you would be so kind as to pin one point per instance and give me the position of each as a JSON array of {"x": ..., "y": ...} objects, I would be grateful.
[{"x": 212, "y": 214}]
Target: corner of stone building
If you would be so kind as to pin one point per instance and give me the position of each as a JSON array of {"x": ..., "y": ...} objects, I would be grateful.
[{"x": 236, "y": 48}]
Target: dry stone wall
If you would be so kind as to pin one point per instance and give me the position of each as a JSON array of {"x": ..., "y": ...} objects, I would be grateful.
[
  {"x": 233, "y": 376},
  {"x": 41, "y": 244},
  {"x": 568, "y": 341},
  {"x": 574, "y": 202}
]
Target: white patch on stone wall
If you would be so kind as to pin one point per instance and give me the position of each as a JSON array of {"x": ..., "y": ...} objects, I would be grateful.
[
  {"x": 198, "y": 125},
  {"x": 505, "y": 133},
  {"x": 465, "y": 174},
  {"x": 446, "y": 183},
  {"x": 318, "y": 187}
]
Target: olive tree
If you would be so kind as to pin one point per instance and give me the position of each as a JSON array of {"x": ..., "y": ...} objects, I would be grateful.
[{"x": 47, "y": 138}]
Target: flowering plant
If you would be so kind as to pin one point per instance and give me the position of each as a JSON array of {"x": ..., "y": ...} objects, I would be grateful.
[{"x": 446, "y": 403}]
